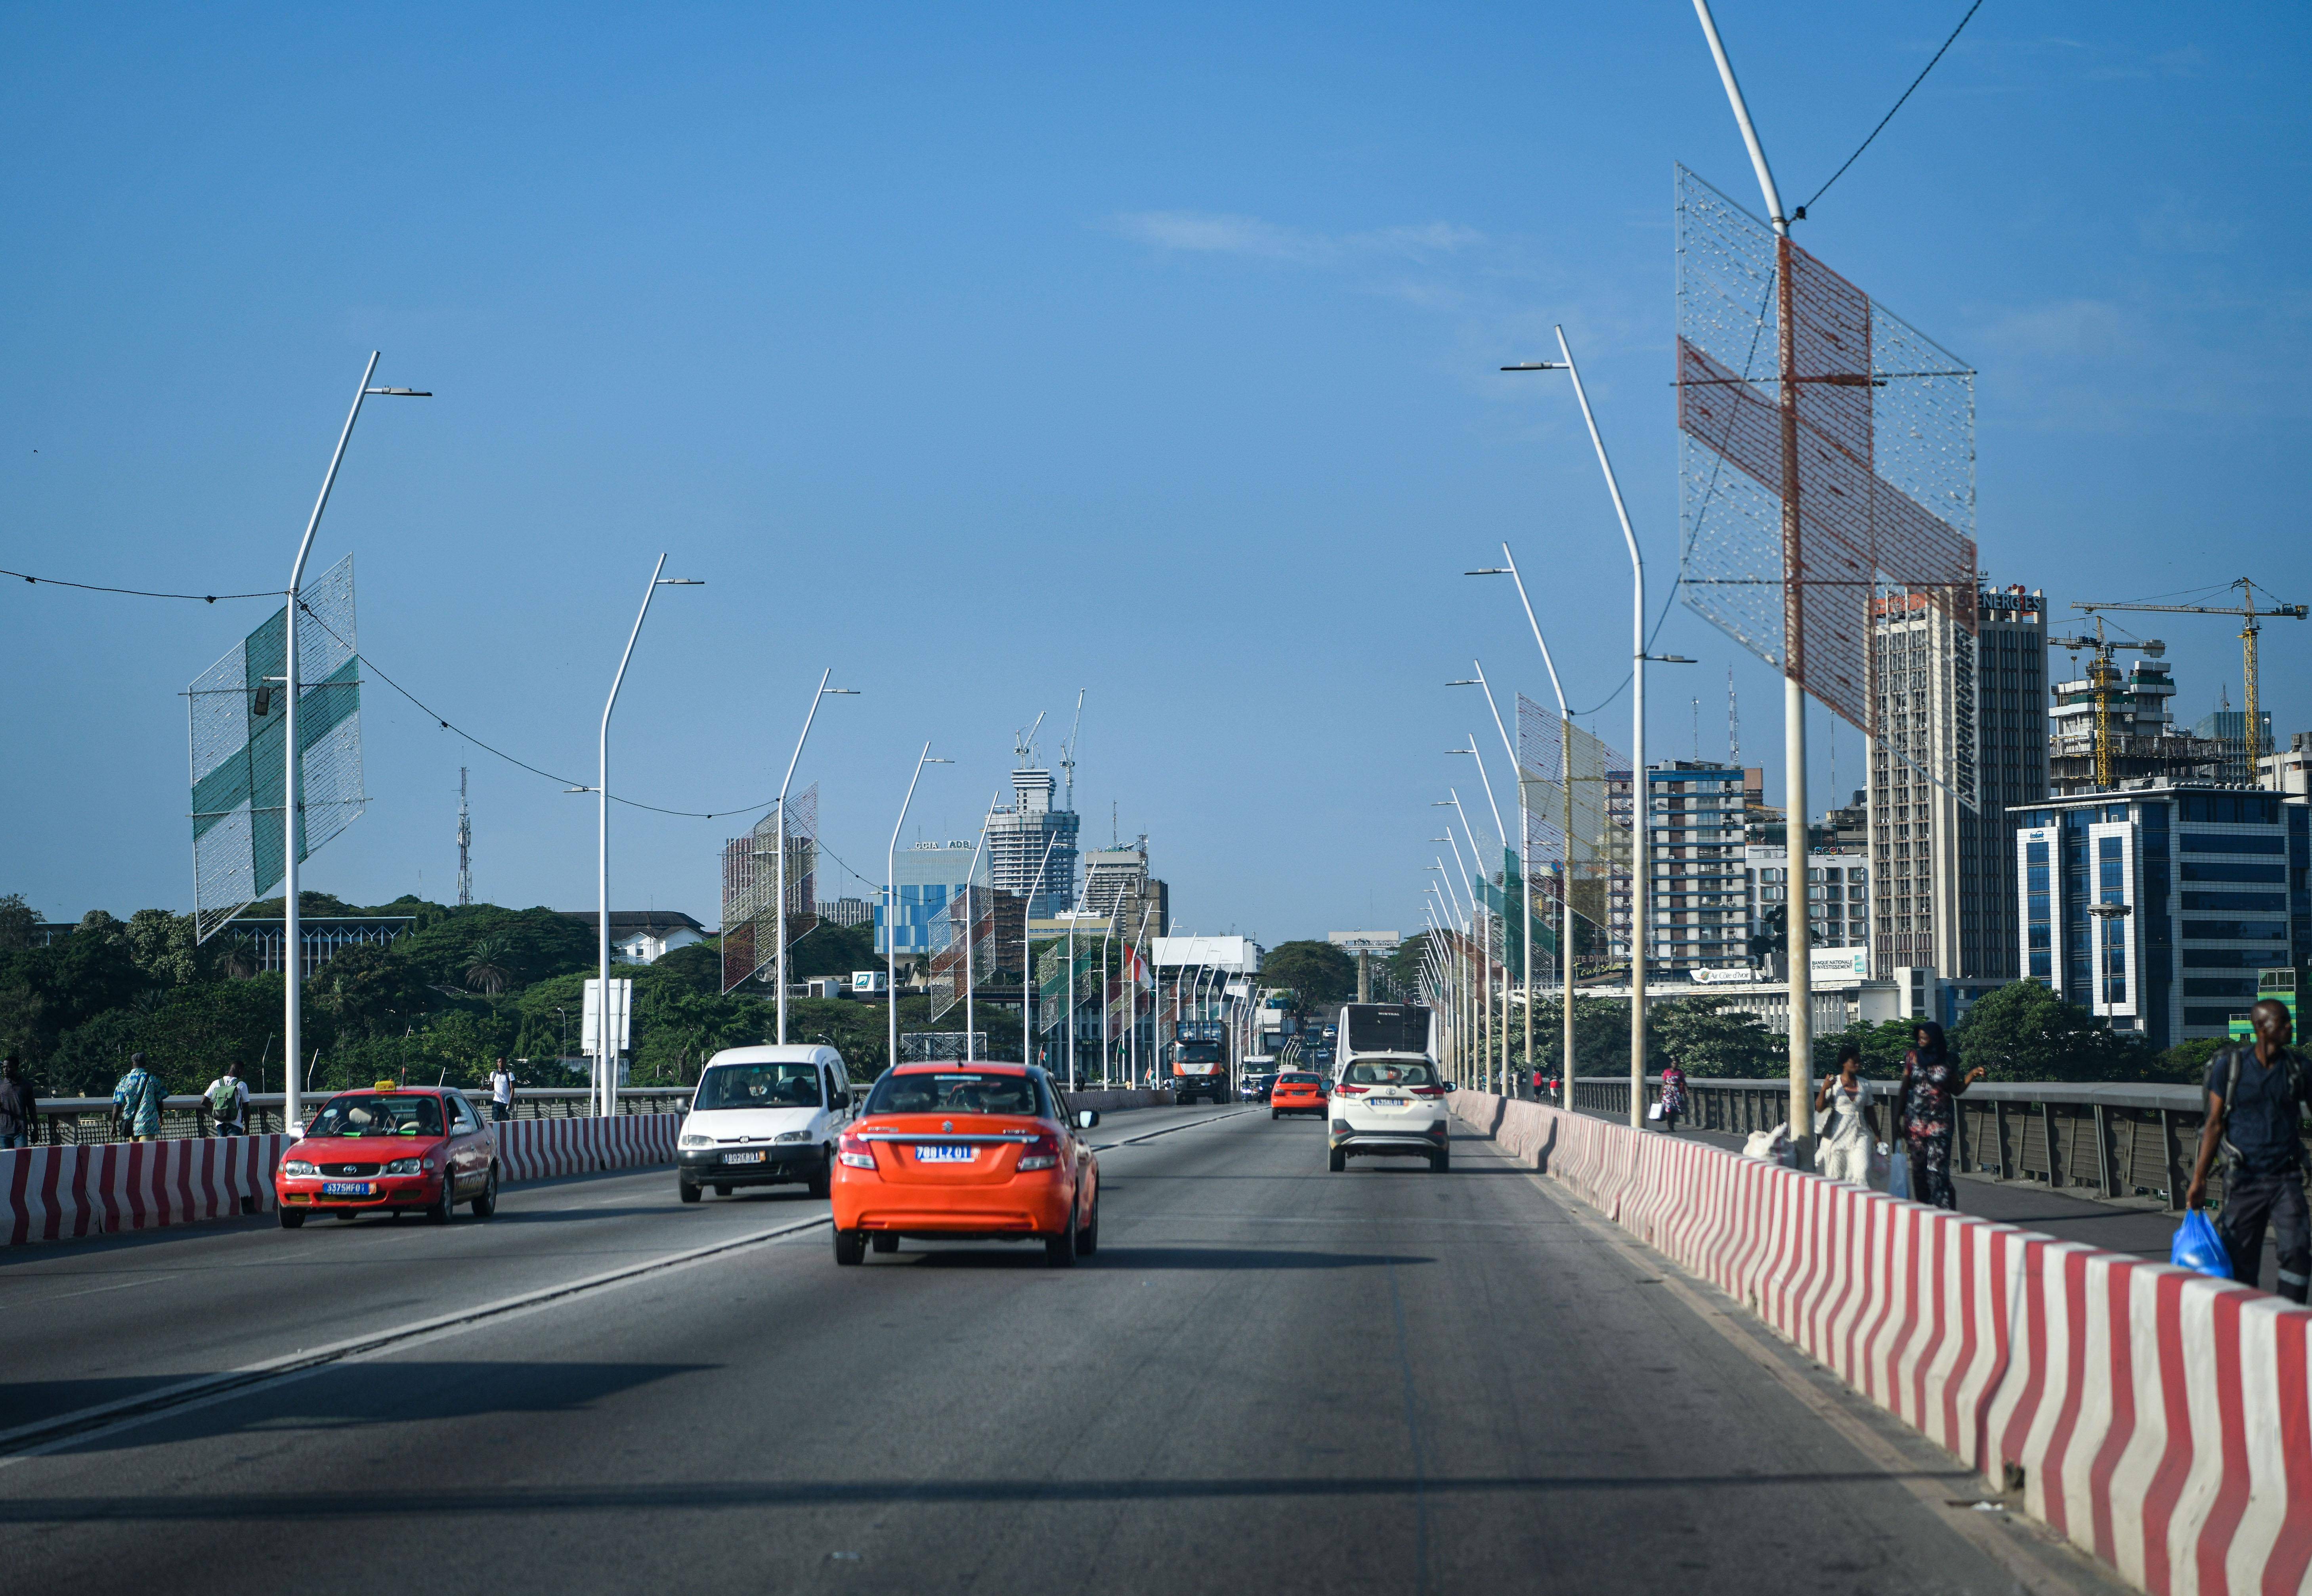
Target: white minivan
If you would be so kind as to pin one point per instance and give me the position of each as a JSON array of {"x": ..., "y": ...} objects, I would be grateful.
[{"x": 763, "y": 1115}]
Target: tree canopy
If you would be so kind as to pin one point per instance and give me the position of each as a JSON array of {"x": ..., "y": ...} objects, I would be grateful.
[{"x": 1318, "y": 972}]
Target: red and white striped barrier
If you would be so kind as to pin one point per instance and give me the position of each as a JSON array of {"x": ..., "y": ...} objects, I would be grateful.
[
  {"x": 538, "y": 1149},
  {"x": 58, "y": 1193},
  {"x": 2161, "y": 1420}
]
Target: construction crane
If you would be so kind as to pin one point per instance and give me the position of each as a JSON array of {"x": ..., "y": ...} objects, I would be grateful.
[
  {"x": 2251, "y": 619},
  {"x": 2103, "y": 685}
]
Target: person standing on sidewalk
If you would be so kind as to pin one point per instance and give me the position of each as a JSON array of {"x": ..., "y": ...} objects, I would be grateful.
[
  {"x": 228, "y": 1100},
  {"x": 20, "y": 1110},
  {"x": 2257, "y": 1095},
  {"x": 1673, "y": 1097},
  {"x": 1931, "y": 1086},
  {"x": 137, "y": 1101},
  {"x": 501, "y": 1093},
  {"x": 1844, "y": 1153}
]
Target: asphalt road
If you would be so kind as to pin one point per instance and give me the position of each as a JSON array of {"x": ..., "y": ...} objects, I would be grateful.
[{"x": 1271, "y": 1378}]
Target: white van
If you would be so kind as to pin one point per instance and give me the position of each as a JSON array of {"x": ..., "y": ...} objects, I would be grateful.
[{"x": 764, "y": 1117}]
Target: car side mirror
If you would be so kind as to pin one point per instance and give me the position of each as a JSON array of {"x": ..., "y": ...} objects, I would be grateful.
[{"x": 1087, "y": 1118}]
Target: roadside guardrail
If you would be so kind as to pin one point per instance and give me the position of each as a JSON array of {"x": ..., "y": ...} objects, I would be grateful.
[
  {"x": 2111, "y": 1141},
  {"x": 87, "y": 1122}
]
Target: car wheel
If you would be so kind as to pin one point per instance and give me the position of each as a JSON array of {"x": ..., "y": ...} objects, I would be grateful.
[
  {"x": 344, "y": 1216},
  {"x": 685, "y": 1190},
  {"x": 291, "y": 1220},
  {"x": 446, "y": 1204},
  {"x": 486, "y": 1203},
  {"x": 1440, "y": 1163},
  {"x": 822, "y": 1177},
  {"x": 850, "y": 1246},
  {"x": 1088, "y": 1239},
  {"x": 1060, "y": 1250},
  {"x": 722, "y": 1191},
  {"x": 1276, "y": 1114},
  {"x": 886, "y": 1242},
  {"x": 1340, "y": 1161}
]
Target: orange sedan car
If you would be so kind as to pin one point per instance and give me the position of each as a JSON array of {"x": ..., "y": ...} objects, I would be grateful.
[
  {"x": 1297, "y": 1091},
  {"x": 966, "y": 1152}
]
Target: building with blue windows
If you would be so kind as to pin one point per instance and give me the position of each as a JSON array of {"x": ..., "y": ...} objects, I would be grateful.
[
  {"x": 2155, "y": 904},
  {"x": 929, "y": 873}
]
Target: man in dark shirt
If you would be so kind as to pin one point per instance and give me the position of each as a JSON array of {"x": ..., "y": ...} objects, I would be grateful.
[
  {"x": 2256, "y": 1098},
  {"x": 20, "y": 1110}
]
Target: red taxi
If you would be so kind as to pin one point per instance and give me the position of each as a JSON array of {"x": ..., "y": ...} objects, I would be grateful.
[
  {"x": 390, "y": 1149},
  {"x": 1297, "y": 1091},
  {"x": 966, "y": 1152}
]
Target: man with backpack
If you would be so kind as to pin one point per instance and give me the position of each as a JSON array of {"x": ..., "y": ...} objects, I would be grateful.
[
  {"x": 228, "y": 1101},
  {"x": 2256, "y": 1095}
]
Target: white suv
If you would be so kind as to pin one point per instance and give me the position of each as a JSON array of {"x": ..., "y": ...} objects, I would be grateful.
[
  {"x": 764, "y": 1117},
  {"x": 1388, "y": 1108}
]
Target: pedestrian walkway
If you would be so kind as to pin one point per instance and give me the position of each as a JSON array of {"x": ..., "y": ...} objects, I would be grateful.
[{"x": 2137, "y": 1227}]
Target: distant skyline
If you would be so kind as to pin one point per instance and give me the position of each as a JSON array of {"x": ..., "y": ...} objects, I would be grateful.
[{"x": 987, "y": 357}]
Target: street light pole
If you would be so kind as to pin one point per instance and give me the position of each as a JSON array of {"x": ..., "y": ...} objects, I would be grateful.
[
  {"x": 1525, "y": 882},
  {"x": 293, "y": 808},
  {"x": 824, "y": 691},
  {"x": 970, "y": 922},
  {"x": 891, "y": 909},
  {"x": 1794, "y": 727},
  {"x": 605, "y": 1055},
  {"x": 1504, "y": 1034}
]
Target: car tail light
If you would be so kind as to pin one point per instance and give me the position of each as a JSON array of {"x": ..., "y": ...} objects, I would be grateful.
[
  {"x": 1429, "y": 1091},
  {"x": 1039, "y": 1153},
  {"x": 854, "y": 1152},
  {"x": 1346, "y": 1090}
]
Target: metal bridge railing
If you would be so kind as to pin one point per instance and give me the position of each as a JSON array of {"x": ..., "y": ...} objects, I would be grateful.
[
  {"x": 85, "y": 1120},
  {"x": 2112, "y": 1142}
]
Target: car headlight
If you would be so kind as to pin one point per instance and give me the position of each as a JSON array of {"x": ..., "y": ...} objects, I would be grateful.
[
  {"x": 698, "y": 1141},
  {"x": 405, "y": 1166},
  {"x": 298, "y": 1166},
  {"x": 793, "y": 1136}
]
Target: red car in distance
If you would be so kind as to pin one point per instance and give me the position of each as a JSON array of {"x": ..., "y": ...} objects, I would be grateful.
[
  {"x": 1297, "y": 1091},
  {"x": 389, "y": 1150},
  {"x": 966, "y": 1152}
]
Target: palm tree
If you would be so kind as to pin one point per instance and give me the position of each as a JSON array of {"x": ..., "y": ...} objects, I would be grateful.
[{"x": 484, "y": 972}]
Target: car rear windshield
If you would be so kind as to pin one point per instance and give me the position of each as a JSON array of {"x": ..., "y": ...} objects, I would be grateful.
[
  {"x": 1382, "y": 1072},
  {"x": 1298, "y": 1080},
  {"x": 786, "y": 1085},
  {"x": 1387, "y": 1028},
  {"x": 954, "y": 1092},
  {"x": 371, "y": 1114}
]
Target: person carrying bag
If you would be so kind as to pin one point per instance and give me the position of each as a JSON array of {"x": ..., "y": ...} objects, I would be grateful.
[{"x": 2257, "y": 1095}]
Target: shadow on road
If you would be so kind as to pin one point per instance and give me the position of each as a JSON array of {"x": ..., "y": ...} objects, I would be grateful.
[
  {"x": 406, "y": 1501},
  {"x": 1145, "y": 1258}
]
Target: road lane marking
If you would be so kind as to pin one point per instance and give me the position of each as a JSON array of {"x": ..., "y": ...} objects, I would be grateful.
[
  {"x": 87, "y": 1291},
  {"x": 1168, "y": 1130},
  {"x": 26, "y": 1440}
]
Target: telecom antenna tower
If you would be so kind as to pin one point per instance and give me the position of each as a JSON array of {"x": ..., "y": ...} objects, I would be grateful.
[{"x": 465, "y": 846}]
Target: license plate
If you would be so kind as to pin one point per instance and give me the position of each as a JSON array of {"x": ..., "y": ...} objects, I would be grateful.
[
  {"x": 742, "y": 1158},
  {"x": 944, "y": 1155},
  {"x": 348, "y": 1189},
  {"x": 1391, "y": 1102}
]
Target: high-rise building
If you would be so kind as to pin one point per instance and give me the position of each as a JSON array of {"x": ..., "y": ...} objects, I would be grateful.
[
  {"x": 846, "y": 911},
  {"x": 1031, "y": 847},
  {"x": 1837, "y": 893},
  {"x": 1942, "y": 877},
  {"x": 927, "y": 875},
  {"x": 1112, "y": 875},
  {"x": 2155, "y": 905},
  {"x": 1697, "y": 896}
]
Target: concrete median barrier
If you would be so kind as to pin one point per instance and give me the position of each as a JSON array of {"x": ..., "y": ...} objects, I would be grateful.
[{"x": 2160, "y": 1420}]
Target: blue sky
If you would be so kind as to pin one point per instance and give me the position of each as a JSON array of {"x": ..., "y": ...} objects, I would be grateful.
[{"x": 987, "y": 353}]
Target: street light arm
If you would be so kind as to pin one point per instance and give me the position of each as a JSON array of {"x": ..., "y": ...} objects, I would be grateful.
[
  {"x": 1742, "y": 115},
  {"x": 1547, "y": 664}
]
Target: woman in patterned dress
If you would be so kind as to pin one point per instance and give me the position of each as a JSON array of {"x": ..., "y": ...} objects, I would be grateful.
[{"x": 1930, "y": 1083}]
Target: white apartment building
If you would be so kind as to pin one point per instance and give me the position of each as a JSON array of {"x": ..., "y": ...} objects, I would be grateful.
[{"x": 1837, "y": 893}]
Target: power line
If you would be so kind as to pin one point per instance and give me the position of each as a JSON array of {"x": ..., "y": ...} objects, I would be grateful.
[
  {"x": 1800, "y": 215},
  {"x": 134, "y": 593}
]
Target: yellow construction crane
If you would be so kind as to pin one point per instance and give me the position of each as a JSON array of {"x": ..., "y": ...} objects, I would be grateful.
[
  {"x": 2103, "y": 686},
  {"x": 2251, "y": 618}
]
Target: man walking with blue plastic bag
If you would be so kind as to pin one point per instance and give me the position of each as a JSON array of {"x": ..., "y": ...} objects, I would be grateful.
[{"x": 2255, "y": 1107}]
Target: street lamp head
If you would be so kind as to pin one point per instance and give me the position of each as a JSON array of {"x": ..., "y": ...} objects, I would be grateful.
[
  {"x": 1489, "y": 571},
  {"x": 838, "y": 692},
  {"x": 680, "y": 581},
  {"x": 936, "y": 760},
  {"x": 399, "y": 393},
  {"x": 1466, "y": 681},
  {"x": 577, "y": 789},
  {"x": 1536, "y": 365},
  {"x": 1669, "y": 659}
]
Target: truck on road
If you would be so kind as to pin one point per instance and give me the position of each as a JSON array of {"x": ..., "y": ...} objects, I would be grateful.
[{"x": 1200, "y": 1062}]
